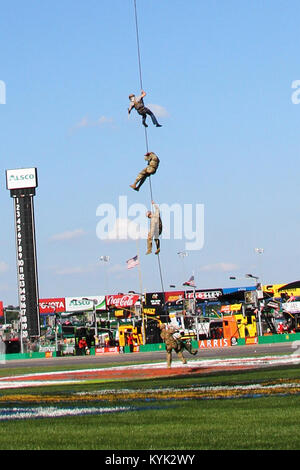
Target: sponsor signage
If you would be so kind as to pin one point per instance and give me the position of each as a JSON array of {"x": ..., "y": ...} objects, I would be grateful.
[
  {"x": 84, "y": 303},
  {"x": 52, "y": 306},
  {"x": 230, "y": 308},
  {"x": 149, "y": 311},
  {"x": 26, "y": 266},
  {"x": 122, "y": 301},
  {"x": 111, "y": 350},
  {"x": 208, "y": 294},
  {"x": 119, "y": 313},
  {"x": 292, "y": 307},
  {"x": 1, "y": 309},
  {"x": 251, "y": 340},
  {"x": 174, "y": 297},
  {"x": 155, "y": 299},
  {"x": 214, "y": 343},
  {"x": 21, "y": 178},
  {"x": 276, "y": 290}
]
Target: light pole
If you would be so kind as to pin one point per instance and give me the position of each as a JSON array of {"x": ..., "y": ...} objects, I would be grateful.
[
  {"x": 55, "y": 324},
  {"x": 95, "y": 301},
  {"x": 258, "y": 306},
  {"x": 248, "y": 276},
  {"x": 143, "y": 316},
  {"x": 251, "y": 276},
  {"x": 260, "y": 252},
  {"x": 105, "y": 259}
]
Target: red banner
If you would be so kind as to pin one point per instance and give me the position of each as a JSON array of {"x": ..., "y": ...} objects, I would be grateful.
[
  {"x": 122, "y": 301},
  {"x": 175, "y": 296},
  {"x": 111, "y": 350},
  {"x": 1, "y": 309},
  {"x": 52, "y": 306}
]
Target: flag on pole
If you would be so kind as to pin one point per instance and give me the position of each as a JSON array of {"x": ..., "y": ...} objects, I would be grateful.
[
  {"x": 190, "y": 282},
  {"x": 132, "y": 262}
]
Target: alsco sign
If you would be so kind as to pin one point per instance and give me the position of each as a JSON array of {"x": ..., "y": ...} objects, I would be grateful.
[
  {"x": 21, "y": 178},
  {"x": 82, "y": 304}
]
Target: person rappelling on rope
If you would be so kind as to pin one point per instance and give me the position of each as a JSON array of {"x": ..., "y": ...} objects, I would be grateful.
[
  {"x": 137, "y": 102},
  {"x": 155, "y": 229},
  {"x": 153, "y": 162}
]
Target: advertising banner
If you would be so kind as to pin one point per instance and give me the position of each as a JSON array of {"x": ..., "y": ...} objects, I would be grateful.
[
  {"x": 149, "y": 311},
  {"x": 214, "y": 343},
  {"x": 291, "y": 307},
  {"x": 27, "y": 266},
  {"x": 277, "y": 289},
  {"x": 155, "y": 299},
  {"x": 207, "y": 294},
  {"x": 21, "y": 178},
  {"x": 52, "y": 306},
  {"x": 122, "y": 301},
  {"x": 251, "y": 340},
  {"x": 230, "y": 308},
  {"x": 111, "y": 350},
  {"x": 1, "y": 309},
  {"x": 82, "y": 304},
  {"x": 174, "y": 297}
]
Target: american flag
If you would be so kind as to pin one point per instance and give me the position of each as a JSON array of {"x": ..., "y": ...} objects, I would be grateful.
[
  {"x": 190, "y": 282},
  {"x": 132, "y": 262}
]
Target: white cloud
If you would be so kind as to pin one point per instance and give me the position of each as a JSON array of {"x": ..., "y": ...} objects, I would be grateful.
[
  {"x": 124, "y": 230},
  {"x": 68, "y": 235},
  {"x": 158, "y": 110},
  {"x": 223, "y": 267},
  {"x": 85, "y": 122},
  {"x": 3, "y": 267}
]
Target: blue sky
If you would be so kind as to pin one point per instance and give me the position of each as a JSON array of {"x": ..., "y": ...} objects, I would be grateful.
[{"x": 219, "y": 76}]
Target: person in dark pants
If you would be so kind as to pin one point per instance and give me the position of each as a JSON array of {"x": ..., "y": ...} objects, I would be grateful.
[{"x": 137, "y": 102}]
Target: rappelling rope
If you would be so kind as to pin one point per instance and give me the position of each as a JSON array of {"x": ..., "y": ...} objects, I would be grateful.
[{"x": 146, "y": 134}]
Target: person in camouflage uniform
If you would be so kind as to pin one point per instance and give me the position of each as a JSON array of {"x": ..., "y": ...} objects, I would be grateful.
[
  {"x": 172, "y": 339},
  {"x": 137, "y": 102},
  {"x": 153, "y": 162},
  {"x": 155, "y": 229},
  {"x": 171, "y": 343}
]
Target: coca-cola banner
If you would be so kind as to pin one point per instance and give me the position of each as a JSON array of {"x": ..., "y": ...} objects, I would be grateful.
[
  {"x": 1, "y": 309},
  {"x": 52, "y": 306},
  {"x": 122, "y": 301}
]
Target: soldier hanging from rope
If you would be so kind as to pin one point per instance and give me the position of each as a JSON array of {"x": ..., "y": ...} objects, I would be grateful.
[
  {"x": 155, "y": 229},
  {"x": 137, "y": 102},
  {"x": 153, "y": 162}
]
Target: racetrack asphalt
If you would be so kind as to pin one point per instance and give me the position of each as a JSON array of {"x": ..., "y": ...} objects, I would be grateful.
[{"x": 107, "y": 358}]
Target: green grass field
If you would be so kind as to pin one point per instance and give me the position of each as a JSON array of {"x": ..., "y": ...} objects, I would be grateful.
[{"x": 268, "y": 422}]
